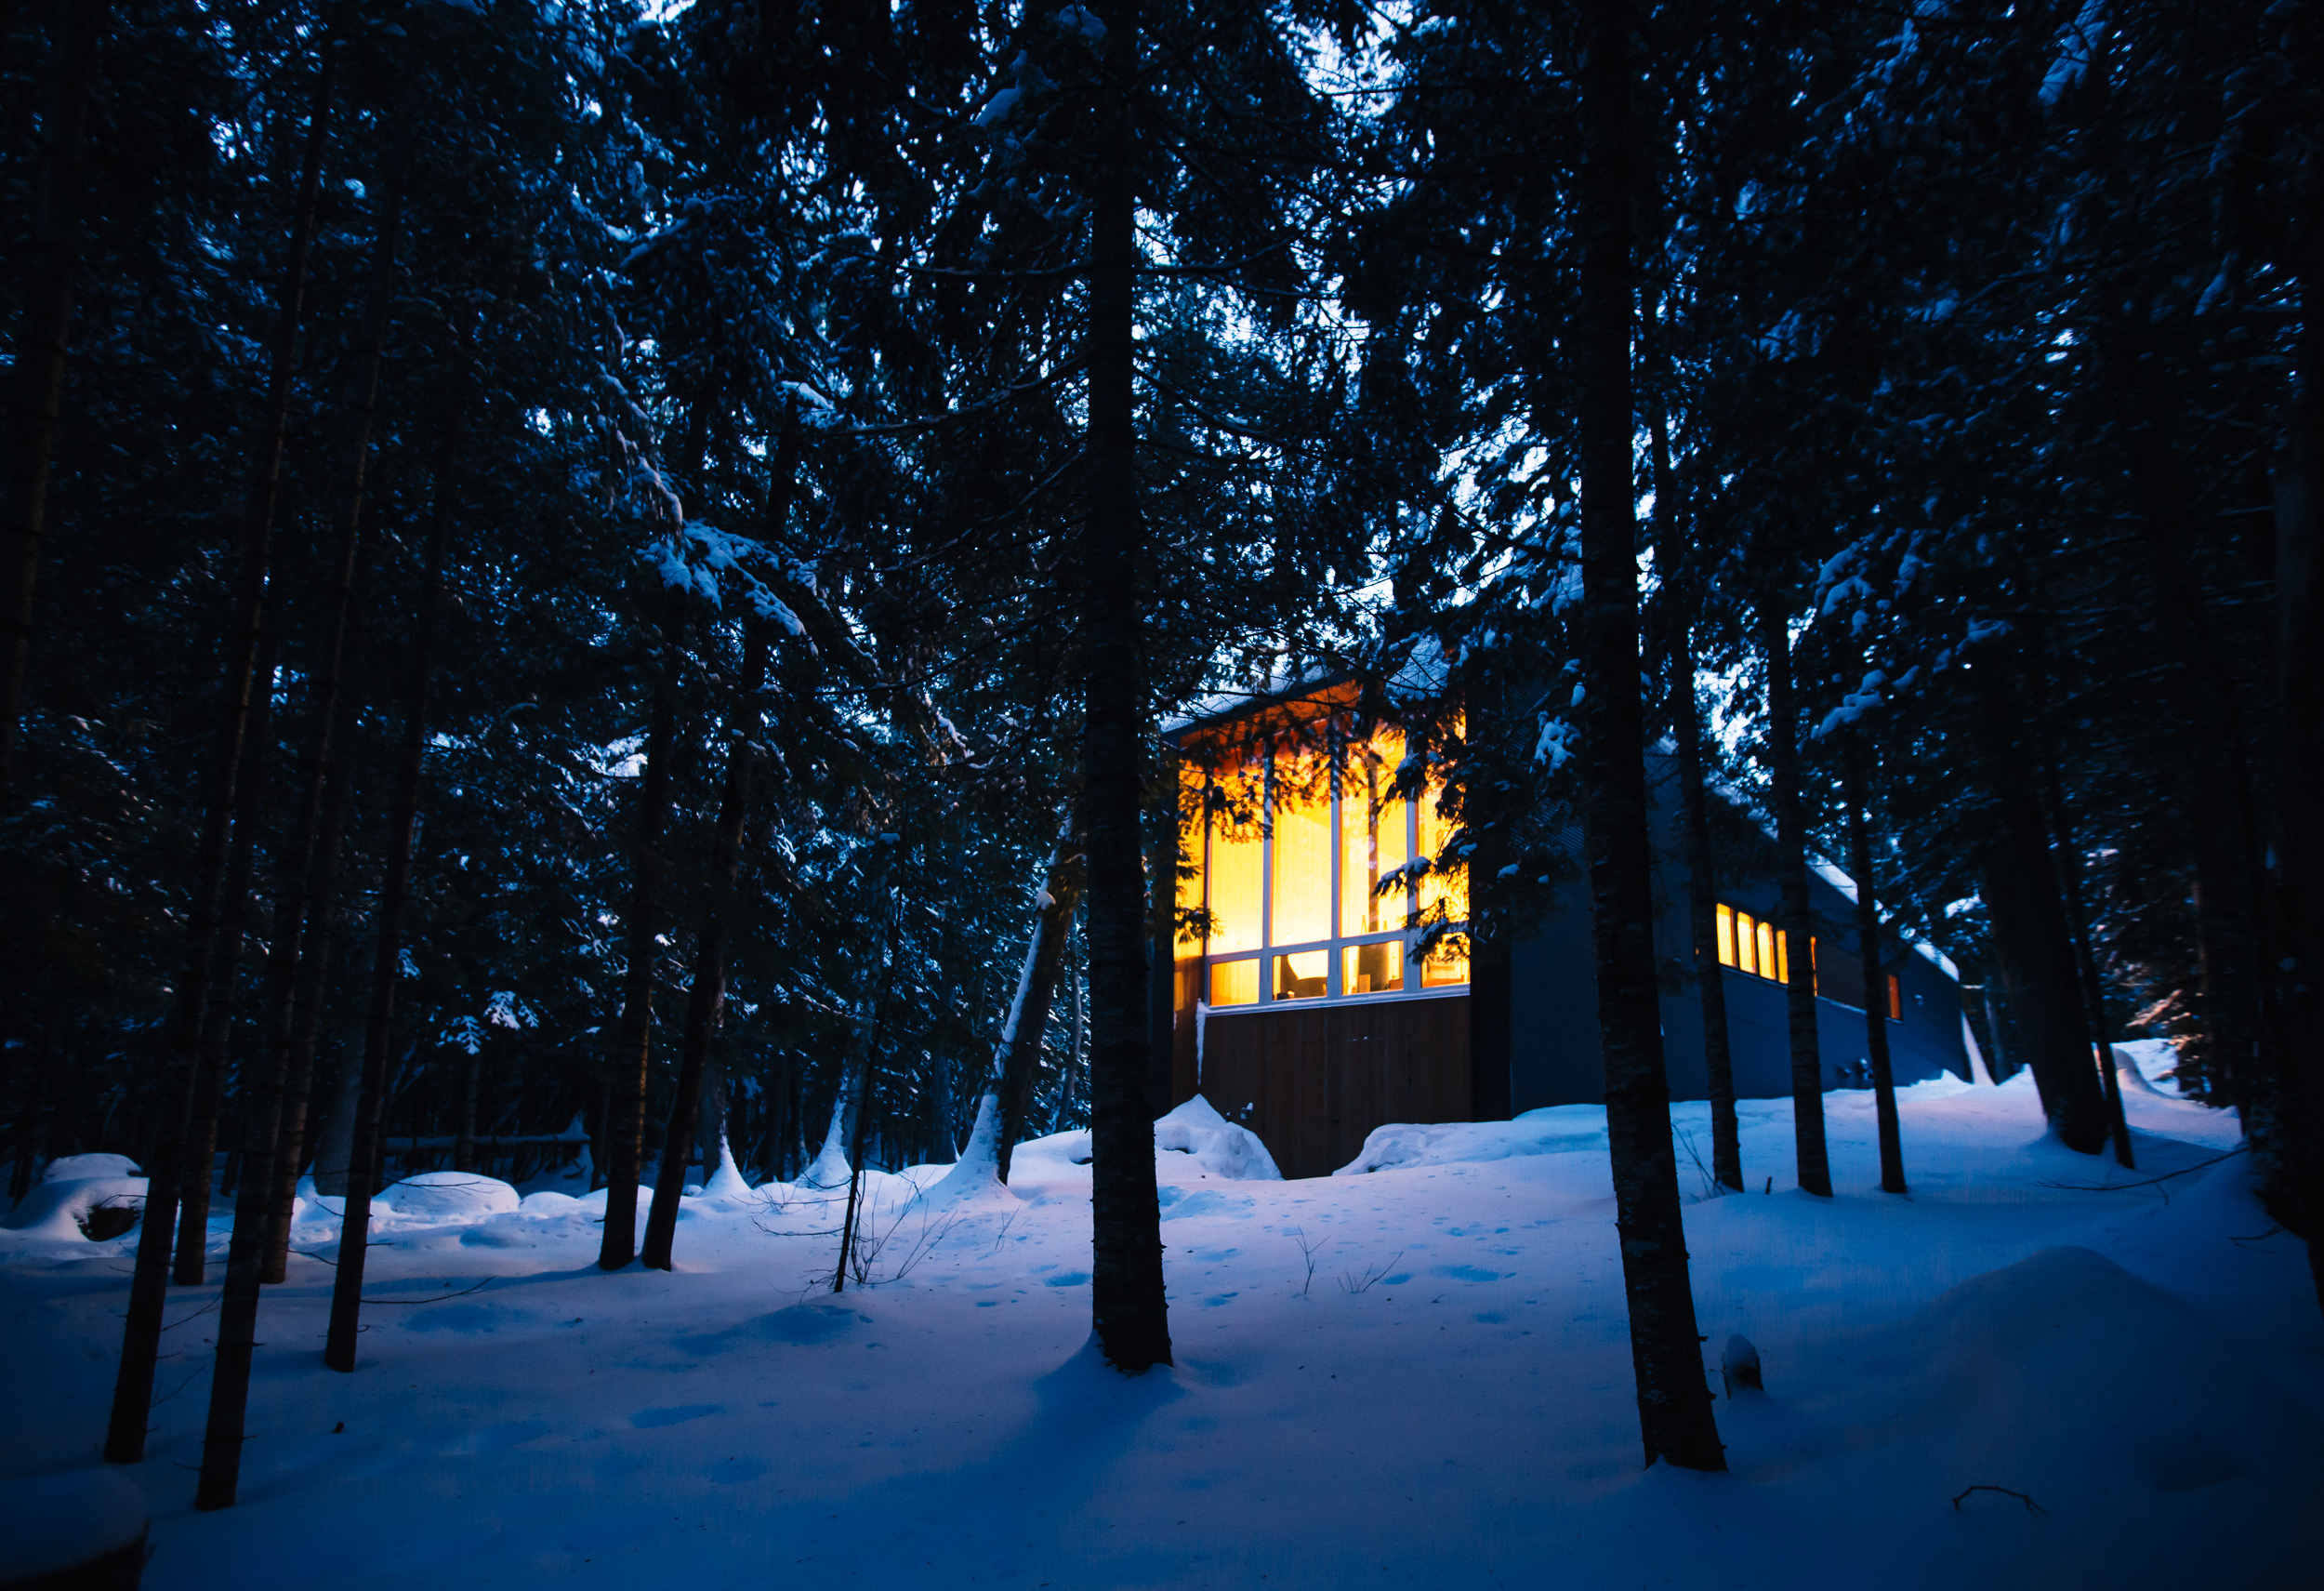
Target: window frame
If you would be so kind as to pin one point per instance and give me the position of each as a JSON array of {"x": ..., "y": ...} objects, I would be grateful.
[{"x": 1267, "y": 955}]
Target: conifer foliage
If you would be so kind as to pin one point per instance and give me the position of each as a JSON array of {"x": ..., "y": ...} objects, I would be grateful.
[{"x": 571, "y": 562}]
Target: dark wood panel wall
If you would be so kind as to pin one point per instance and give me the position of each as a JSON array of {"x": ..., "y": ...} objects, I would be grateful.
[{"x": 1312, "y": 1081}]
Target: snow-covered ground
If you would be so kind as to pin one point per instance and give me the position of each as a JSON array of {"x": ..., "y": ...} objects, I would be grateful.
[{"x": 1445, "y": 1401}]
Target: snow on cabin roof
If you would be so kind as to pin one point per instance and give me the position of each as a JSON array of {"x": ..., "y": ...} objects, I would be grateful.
[
  {"x": 1823, "y": 870},
  {"x": 1420, "y": 675}
]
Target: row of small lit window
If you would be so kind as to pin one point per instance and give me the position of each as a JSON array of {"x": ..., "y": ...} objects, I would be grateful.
[
  {"x": 1755, "y": 946},
  {"x": 1377, "y": 968}
]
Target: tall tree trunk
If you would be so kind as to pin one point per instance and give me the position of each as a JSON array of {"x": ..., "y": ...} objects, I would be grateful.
[
  {"x": 1702, "y": 879},
  {"x": 707, "y": 1000},
  {"x": 335, "y": 1151},
  {"x": 133, "y": 1387},
  {"x": 218, "y": 1021},
  {"x": 1875, "y": 971},
  {"x": 1006, "y": 1102},
  {"x": 43, "y": 330},
  {"x": 1128, "y": 1305},
  {"x": 2296, "y": 827},
  {"x": 1674, "y": 1411},
  {"x": 1792, "y": 910},
  {"x": 2035, "y": 956},
  {"x": 624, "y": 1136},
  {"x": 367, "y": 1146},
  {"x": 305, "y": 875},
  {"x": 855, "y": 1087},
  {"x": 2086, "y": 967},
  {"x": 314, "y": 960}
]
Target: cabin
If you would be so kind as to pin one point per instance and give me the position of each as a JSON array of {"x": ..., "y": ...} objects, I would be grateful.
[{"x": 1324, "y": 983}]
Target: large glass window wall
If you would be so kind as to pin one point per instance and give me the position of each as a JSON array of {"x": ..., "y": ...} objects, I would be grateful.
[{"x": 1300, "y": 860}]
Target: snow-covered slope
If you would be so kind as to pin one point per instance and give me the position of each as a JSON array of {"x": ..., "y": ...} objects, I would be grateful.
[{"x": 1444, "y": 1399}]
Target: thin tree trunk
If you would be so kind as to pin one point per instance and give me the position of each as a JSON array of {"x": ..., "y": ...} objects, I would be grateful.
[
  {"x": 335, "y": 1152},
  {"x": 2086, "y": 967},
  {"x": 306, "y": 876},
  {"x": 217, "y": 1022},
  {"x": 1875, "y": 974},
  {"x": 464, "y": 1134},
  {"x": 1078, "y": 1019},
  {"x": 1702, "y": 880},
  {"x": 1002, "y": 1109},
  {"x": 1674, "y": 1410},
  {"x": 624, "y": 1136},
  {"x": 1129, "y": 1305},
  {"x": 133, "y": 1387},
  {"x": 44, "y": 331},
  {"x": 2037, "y": 959},
  {"x": 1792, "y": 904},
  {"x": 314, "y": 960},
  {"x": 707, "y": 1000},
  {"x": 368, "y": 1145},
  {"x": 857, "y": 1084},
  {"x": 2296, "y": 827}
]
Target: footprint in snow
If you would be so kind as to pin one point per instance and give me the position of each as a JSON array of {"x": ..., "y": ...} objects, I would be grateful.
[{"x": 654, "y": 1419}]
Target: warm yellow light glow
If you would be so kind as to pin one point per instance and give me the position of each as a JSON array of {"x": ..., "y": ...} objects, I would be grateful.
[
  {"x": 1371, "y": 834},
  {"x": 1745, "y": 942},
  {"x": 1372, "y": 969},
  {"x": 1236, "y": 850},
  {"x": 1783, "y": 960},
  {"x": 1448, "y": 964},
  {"x": 1446, "y": 884},
  {"x": 1726, "y": 935},
  {"x": 1300, "y": 976},
  {"x": 1767, "y": 963},
  {"x": 1302, "y": 860},
  {"x": 1235, "y": 983},
  {"x": 1192, "y": 786}
]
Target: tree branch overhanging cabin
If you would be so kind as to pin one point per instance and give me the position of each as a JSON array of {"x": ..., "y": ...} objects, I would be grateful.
[{"x": 1325, "y": 983}]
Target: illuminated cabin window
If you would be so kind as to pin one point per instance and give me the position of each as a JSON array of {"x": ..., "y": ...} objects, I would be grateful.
[
  {"x": 1302, "y": 875},
  {"x": 1895, "y": 1000},
  {"x": 1753, "y": 945}
]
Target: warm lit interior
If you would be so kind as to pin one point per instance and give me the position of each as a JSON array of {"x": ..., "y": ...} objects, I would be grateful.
[
  {"x": 1752, "y": 945},
  {"x": 1301, "y": 837}
]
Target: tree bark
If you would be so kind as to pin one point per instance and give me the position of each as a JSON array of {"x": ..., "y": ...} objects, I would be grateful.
[
  {"x": 2086, "y": 968},
  {"x": 2035, "y": 957},
  {"x": 319, "y": 943},
  {"x": 367, "y": 1144},
  {"x": 1129, "y": 1308},
  {"x": 218, "y": 1021},
  {"x": 707, "y": 1000},
  {"x": 44, "y": 332},
  {"x": 133, "y": 1387},
  {"x": 2296, "y": 823},
  {"x": 1793, "y": 913},
  {"x": 1017, "y": 1057},
  {"x": 625, "y": 1135},
  {"x": 1674, "y": 1410},
  {"x": 1875, "y": 972},
  {"x": 1702, "y": 879},
  {"x": 306, "y": 874}
]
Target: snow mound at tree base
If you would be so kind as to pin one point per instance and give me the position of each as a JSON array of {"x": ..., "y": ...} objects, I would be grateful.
[
  {"x": 444, "y": 1196},
  {"x": 80, "y": 1167},
  {"x": 55, "y": 1212},
  {"x": 1218, "y": 1145},
  {"x": 1553, "y": 1130}
]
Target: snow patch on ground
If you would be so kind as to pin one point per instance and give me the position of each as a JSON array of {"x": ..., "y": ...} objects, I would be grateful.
[{"x": 1419, "y": 1374}]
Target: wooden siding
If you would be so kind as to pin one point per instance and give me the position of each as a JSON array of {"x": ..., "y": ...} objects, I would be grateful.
[{"x": 1312, "y": 1081}]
